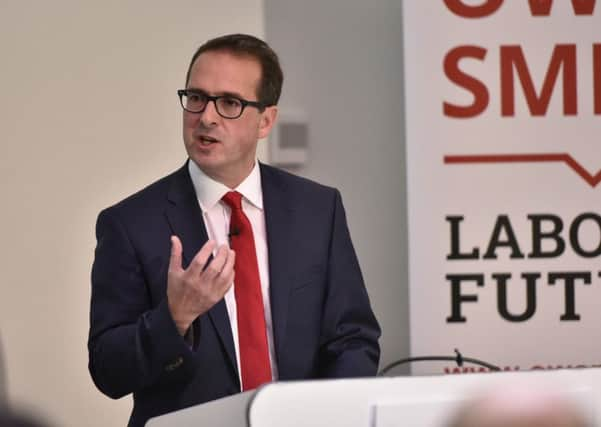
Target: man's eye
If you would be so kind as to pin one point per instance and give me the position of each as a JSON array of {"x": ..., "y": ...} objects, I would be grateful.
[
  {"x": 193, "y": 97},
  {"x": 231, "y": 102}
]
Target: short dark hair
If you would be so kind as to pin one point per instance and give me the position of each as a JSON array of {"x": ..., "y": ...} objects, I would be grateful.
[
  {"x": 13, "y": 419},
  {"x": 272, "y": 77}
]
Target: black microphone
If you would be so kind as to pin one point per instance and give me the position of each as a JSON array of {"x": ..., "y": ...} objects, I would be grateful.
[
  {"x": 235, "y": 231},
  {"x": 458, "y": 358}
]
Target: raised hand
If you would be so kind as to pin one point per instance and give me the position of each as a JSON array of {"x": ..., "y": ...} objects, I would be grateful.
[{"x": 193, "y": 291}]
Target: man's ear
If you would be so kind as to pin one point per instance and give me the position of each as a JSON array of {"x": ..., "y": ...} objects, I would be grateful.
[{"x": 267, "y": 121}]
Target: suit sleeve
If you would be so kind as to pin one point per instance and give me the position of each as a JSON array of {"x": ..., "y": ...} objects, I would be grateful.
[
  {"x": 132, "y": 344},
  {"x": 350, "y": 333}
]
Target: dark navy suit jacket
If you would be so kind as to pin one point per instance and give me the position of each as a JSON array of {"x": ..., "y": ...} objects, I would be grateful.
[{"x": 322, "y": 321}]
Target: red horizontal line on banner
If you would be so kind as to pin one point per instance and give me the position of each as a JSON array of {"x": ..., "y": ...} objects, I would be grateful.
[{"x": 592, "y": 180}]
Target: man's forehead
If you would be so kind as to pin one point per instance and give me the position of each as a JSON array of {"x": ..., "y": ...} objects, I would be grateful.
[
  {"x": 246, "y": 63},
  {"x": 226, "y": 72}
]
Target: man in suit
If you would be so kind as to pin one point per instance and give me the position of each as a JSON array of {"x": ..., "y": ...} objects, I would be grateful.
[{"x": 226, "y": 274}]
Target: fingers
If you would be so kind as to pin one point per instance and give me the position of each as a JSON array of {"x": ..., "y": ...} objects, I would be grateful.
[
  {"x": 175, "y": 260},
  {"x": 200, "y": 260},
  {"x": 220, "y": 272},
  {"x": 216, "y": 265},
  {"x": 227, "y": 272},
  {"x": 192, "y": 292}
]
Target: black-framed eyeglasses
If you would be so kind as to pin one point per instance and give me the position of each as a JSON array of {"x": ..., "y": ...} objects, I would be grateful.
[{"x": 227, "y": 106}]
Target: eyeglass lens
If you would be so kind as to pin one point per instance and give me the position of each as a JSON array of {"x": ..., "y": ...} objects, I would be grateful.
[{"x": 227, "y": 106}]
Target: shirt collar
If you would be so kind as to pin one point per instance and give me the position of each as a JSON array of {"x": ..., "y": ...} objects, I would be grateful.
[{"x": 209, "y": 192}]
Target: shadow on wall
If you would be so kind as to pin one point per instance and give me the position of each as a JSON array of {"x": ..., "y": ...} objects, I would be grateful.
[{"x": 3, "y": 386}]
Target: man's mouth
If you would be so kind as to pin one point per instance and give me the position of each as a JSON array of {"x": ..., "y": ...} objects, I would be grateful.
[{"x": 207, "y": 140}]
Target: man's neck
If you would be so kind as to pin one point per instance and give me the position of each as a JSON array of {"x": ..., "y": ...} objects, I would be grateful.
[{"x": 230, "y": 180}]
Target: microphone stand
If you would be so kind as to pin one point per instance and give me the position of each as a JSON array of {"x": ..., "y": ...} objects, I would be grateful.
[{"x": 459, "y": 359}]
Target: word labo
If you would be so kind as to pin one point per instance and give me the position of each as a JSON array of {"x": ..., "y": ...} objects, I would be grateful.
[{"x": 545, "y": 228}]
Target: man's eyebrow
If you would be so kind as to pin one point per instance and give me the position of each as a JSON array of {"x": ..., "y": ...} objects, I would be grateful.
[{"x": 227, "y": 93}]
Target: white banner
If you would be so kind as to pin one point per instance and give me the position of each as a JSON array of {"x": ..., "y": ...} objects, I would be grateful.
[{"x": 503, "y": 102}]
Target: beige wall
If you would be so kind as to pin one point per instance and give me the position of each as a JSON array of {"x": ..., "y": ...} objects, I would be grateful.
[{"x": 88, "y": 114}]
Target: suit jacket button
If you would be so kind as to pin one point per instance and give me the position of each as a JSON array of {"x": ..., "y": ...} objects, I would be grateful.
[{"x": 175, "y": 364}]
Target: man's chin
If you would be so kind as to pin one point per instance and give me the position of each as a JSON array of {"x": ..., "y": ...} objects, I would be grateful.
[{"x": 207, "y": 163}]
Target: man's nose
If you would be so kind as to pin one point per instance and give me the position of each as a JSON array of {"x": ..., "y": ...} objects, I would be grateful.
[{"x": 209, "y": 116}]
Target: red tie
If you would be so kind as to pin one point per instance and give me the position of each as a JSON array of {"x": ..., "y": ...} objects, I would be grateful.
[{"x": 252, "y": 336}]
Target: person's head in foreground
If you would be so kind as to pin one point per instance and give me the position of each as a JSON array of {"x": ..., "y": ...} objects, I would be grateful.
[{"x": 520, "y": 407}]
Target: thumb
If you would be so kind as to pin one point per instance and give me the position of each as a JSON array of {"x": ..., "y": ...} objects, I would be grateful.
[{"x": 175, "y": 260}]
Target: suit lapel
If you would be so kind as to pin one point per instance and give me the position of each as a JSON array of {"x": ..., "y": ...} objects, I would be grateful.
[
  {"x": 185, "y": 217},
  {"x": 278, "y": 223}
]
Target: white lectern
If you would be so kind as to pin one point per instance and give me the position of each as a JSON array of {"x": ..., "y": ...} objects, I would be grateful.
[{"x": 425, "y": 401}]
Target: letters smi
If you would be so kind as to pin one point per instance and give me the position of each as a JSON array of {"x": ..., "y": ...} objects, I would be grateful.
[
  {"x": 511, "y": 58},
  {"x": 546, "y": 228}
]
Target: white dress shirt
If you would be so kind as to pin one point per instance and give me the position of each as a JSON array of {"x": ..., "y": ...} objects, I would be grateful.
[{"x": 216, "y": 217}]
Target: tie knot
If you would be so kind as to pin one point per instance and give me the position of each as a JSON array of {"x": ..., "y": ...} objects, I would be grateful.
[{"x": 233, "y": 200}]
